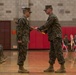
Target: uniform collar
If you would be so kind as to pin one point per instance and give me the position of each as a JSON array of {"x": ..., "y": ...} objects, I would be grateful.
[{"x": 51, "y": 14}]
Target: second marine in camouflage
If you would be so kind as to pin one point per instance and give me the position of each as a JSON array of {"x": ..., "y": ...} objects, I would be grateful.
[
  {"x": 23, "y": 31},
  {"x": 53, "y": 29}
]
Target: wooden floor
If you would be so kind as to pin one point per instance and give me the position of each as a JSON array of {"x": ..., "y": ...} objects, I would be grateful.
[{"x": 36, "y": 62}]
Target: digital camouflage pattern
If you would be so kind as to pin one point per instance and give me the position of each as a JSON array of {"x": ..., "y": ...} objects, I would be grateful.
[
  {"x": 23, "y": 31},
  {"x": 53, "y": 29}
]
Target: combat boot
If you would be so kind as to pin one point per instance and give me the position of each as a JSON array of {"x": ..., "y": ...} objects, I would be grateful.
[
  {"x": 22, "y": 70},
  {"x": 4, "y": 58},
  {"x": 50, "y": 69},
  {"x": 61, "y": 70},
  {"x": 2, "y": 61}
]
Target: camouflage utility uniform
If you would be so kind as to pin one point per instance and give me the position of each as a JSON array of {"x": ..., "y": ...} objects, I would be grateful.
[
  {"x": 23, "y": 31},
  {"x": 53, "y": 29}
]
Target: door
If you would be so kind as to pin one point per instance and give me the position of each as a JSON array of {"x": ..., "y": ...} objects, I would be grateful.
[{"x": 5, "y": 34}]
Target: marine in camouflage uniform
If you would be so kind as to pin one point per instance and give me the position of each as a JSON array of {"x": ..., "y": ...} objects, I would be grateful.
[
  {"x": 1, "y": 54},
  {"x": 53, "y": 29},
  {"x": 2, "y": 57},
  {"x": 23, "y": 31}
]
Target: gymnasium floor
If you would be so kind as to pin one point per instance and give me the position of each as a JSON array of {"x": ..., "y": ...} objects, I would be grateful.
[{"x": 36, "y": 62}]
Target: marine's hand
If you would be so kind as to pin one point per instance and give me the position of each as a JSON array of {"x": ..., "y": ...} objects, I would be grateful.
[
  {"x": 36, "y": 28},
  {"x": 32, "y": 27}
]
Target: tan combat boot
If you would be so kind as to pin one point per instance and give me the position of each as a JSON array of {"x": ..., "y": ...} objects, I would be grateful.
[
  {"x": 1, "y": 61},
  {"x": 50, "y": 69},
  {"x": 22, "y": 70},
  {"x": 61, "y": 70}
]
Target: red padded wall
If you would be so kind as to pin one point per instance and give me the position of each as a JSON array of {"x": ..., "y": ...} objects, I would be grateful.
[{"x": 40, "y": 41}]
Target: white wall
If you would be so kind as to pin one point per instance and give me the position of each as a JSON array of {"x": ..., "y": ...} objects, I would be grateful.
[
  {"x": 37, "y": 9},
  {"x": 11, "y": 5},
  {"x": 68, "y": 5}
]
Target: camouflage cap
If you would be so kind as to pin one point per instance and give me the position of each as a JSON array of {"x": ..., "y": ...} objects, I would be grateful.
[
  {"x": 27, "y": 9},
  {"x": 47, "y": 7}
]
